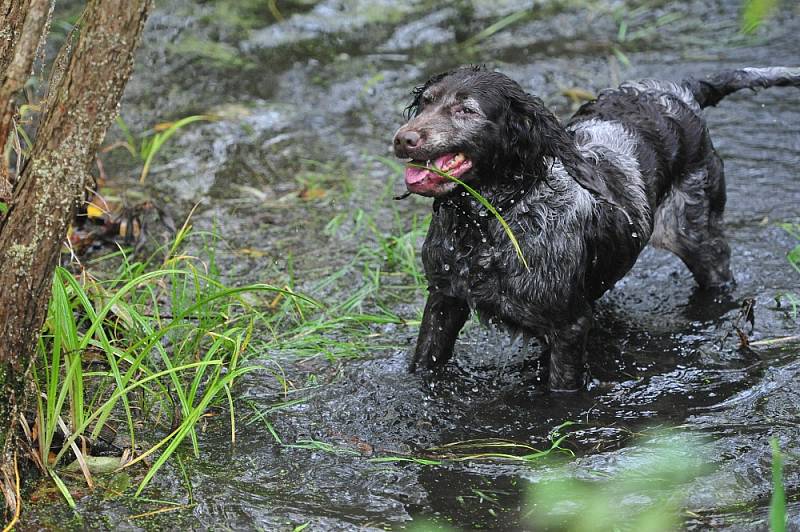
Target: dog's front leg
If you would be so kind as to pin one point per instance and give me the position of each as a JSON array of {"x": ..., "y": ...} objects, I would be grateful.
[
  {"x": 441, "y": 321},
  {"x": 568, "y": 355}
]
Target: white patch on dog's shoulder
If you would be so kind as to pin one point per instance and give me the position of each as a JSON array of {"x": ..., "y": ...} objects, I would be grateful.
[
  {"x": 611, "y": 141},
  {"x": 611, "y": 135}
]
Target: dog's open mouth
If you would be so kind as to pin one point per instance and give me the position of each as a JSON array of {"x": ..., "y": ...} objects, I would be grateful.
[{"x": 424, "y": 177}]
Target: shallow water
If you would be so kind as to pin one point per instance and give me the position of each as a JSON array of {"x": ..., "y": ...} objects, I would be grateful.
[{"x": 328, "y": 83}]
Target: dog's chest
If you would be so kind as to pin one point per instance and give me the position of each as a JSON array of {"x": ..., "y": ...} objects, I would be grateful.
[
  {"x": 469, "y": 256},
  {"x": 458, "y": 249}
]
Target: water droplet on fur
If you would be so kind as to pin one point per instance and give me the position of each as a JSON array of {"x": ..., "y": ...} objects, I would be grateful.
[
  {"x": 451, "y": 248},
  {"x": 463, "y": 193},
  {"x": 635, "y": 235},
  {"x": 482, "y": 213},
  {"x": 447, "y": 267},
  {"x": 483, "y": 240}
]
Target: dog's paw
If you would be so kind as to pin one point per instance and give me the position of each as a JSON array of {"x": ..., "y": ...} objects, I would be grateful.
[{"x": 426, "y": 361}]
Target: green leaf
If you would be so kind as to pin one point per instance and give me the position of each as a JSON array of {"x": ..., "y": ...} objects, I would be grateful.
[
  {"x": 794, "y": 258},
  {"x": 755, "y": 12},
  {"x": 62, "y": 488},
  {"x": 97, "y": 464}
]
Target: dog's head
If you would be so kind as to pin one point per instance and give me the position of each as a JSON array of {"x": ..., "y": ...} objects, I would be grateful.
[
  {"x": 478, "y": 125},
  {"x": 470, "y": 122}
]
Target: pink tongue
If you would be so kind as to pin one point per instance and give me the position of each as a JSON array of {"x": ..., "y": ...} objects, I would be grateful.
[{"x": 415, "y": 174}]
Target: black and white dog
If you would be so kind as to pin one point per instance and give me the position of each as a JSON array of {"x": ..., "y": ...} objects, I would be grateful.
[{"x": 634, "y": 166}]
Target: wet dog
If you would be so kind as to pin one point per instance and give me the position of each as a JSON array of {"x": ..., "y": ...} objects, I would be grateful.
[{"x": 634, "y": 166}]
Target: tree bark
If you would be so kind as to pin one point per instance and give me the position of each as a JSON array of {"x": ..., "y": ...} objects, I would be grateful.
[{"x": 80, "y": 106}]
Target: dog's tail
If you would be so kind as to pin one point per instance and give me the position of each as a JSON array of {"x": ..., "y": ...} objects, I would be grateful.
[{"x": 710, "y": 92}]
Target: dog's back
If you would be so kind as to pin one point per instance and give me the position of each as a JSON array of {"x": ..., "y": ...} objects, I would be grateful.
[{"x": 663, "y": 174}]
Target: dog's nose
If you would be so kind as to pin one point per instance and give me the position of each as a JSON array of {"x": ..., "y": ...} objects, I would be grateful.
[{"x": 404, "y": 141}]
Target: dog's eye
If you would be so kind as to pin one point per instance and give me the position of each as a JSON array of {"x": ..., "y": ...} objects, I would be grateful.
[{"x": 463, "y": 110}]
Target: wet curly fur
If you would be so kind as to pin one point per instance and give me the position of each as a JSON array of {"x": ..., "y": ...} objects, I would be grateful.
[{"x": 634, "y": 166}]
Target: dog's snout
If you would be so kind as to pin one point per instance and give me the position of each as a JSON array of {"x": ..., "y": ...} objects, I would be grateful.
[{"x": 406, "y": 141}]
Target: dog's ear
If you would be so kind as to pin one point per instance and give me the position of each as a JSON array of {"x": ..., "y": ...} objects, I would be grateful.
[
  {"x": 533, "y": 132},
  {"x": 413, "y": 108}
]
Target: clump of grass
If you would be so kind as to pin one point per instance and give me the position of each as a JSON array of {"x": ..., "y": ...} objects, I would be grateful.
[
  {"x": 155, "y": 346},
  {"x": 383, "y": 270},
  {"x": 158, "y": 343}
]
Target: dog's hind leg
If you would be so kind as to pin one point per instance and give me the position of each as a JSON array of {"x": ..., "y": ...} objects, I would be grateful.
[
  {"x": 442, "y": 320},
  {"x": 689, "y": 223}
]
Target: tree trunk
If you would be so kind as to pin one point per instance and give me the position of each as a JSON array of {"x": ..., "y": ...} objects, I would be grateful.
[
  {"x": 21, "y": 30},
  {"x": 82, "y": 101}
]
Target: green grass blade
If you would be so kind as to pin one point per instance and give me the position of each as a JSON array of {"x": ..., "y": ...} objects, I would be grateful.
[
  {"x": 777, "y": 504},
  {"x": 496, "y": 27},
  {"x": 159, "y": 139},
  {"x": 62, "y": 488},
  {"x": 130, "y": 142}
]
